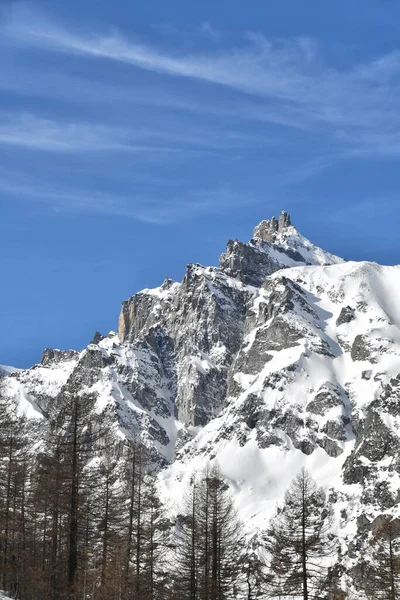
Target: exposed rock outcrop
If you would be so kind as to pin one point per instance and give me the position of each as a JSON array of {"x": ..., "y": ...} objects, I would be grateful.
[{"x": 267, "y": 231}]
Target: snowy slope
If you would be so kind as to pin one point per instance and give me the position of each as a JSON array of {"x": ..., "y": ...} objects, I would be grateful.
[
  {"x": 117, "y": 375},
  {"x": 5, "y": 370},
  {"x": 301, "y": 407},
  {"x": 287, "y": 240}
]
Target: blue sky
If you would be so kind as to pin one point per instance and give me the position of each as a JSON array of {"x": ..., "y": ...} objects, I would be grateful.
[{"x": 136, "y": 137}]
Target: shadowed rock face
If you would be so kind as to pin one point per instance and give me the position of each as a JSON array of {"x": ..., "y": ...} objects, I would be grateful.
[
  {"x": 248, "y": 263},
  {"x": 97, "y": 338},
  {"x": 55, "y": 356},
  {"x": 347, "y": 314},
  {"x": 328, "y": 396},
  {"x": 362, "y": 349},
  {"x": 253, "y": 262},
  {"x": 374, "y": 463},
  {"x": 202, "y": 318}
]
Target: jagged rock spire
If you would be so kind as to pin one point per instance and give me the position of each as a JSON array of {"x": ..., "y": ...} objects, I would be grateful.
[
  {"x": 266, "y": 231},
  {"x": 98, "y": 337},
  {"x": 284, "y": 221},
  {"x": 166, "y": 284}
]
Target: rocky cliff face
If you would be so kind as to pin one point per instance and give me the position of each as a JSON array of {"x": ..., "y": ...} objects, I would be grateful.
[{"x": 283, "y": 356}]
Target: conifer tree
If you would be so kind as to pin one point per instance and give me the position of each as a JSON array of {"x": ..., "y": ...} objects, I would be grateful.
[
  {"x": 186, "y": 564},
  {"x": 13, "y": 479},
  {"x": 299, "y": 542},
  {"x": 136, "y": 465},
  {"x": 155, "y": 534},
  {"x": 253, "y": 574},
  {"x": 106, "y": 498},
  {"x": 73, "y": 433},
  {"x": 208, "y": 542}
]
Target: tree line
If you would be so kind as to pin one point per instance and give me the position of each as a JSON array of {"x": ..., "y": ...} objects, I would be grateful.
[{"x": 81, "y": 519}]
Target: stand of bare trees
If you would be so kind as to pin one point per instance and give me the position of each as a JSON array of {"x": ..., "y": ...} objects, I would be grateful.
[
  {"x": 81, "y": 519},
  {"x": 79, "y": 516}
]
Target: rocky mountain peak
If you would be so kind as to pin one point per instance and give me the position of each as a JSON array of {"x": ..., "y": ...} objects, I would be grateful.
[
  {"x": 51, "y": 356},
  {"x": 267, "y": 230},
  {"x": 98, "y": 337},
  {"x": 167, "y": 283},
  {"x": 276, "y": 244}
]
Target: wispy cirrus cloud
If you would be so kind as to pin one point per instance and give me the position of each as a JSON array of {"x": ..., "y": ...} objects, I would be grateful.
[
  {"x": 292, "y": 80},
  {"x": 208, "y": 30},
  {"x": 203, "y": 30},
  {"x": 280, "y": 105},
  {"x": 137, "y": 207},
  {"x": 55, "y": 85},
  {"x": 260, "y": 67},
  {"x": 30, "y": 131}
]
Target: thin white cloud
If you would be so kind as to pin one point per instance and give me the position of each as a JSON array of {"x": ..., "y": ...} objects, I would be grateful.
[
  {"x": 138, "y": 207},
  {"x": 57, "y": 85},
  {"x": 255, "y": 69},
  {"x": 209, "y": 31},
  {"x": 30, "y": 131},
  {"x": 356, "y": 106}
]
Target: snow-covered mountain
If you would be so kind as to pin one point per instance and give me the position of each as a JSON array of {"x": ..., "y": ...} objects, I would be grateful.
[{"x": 283, "y": 356}]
